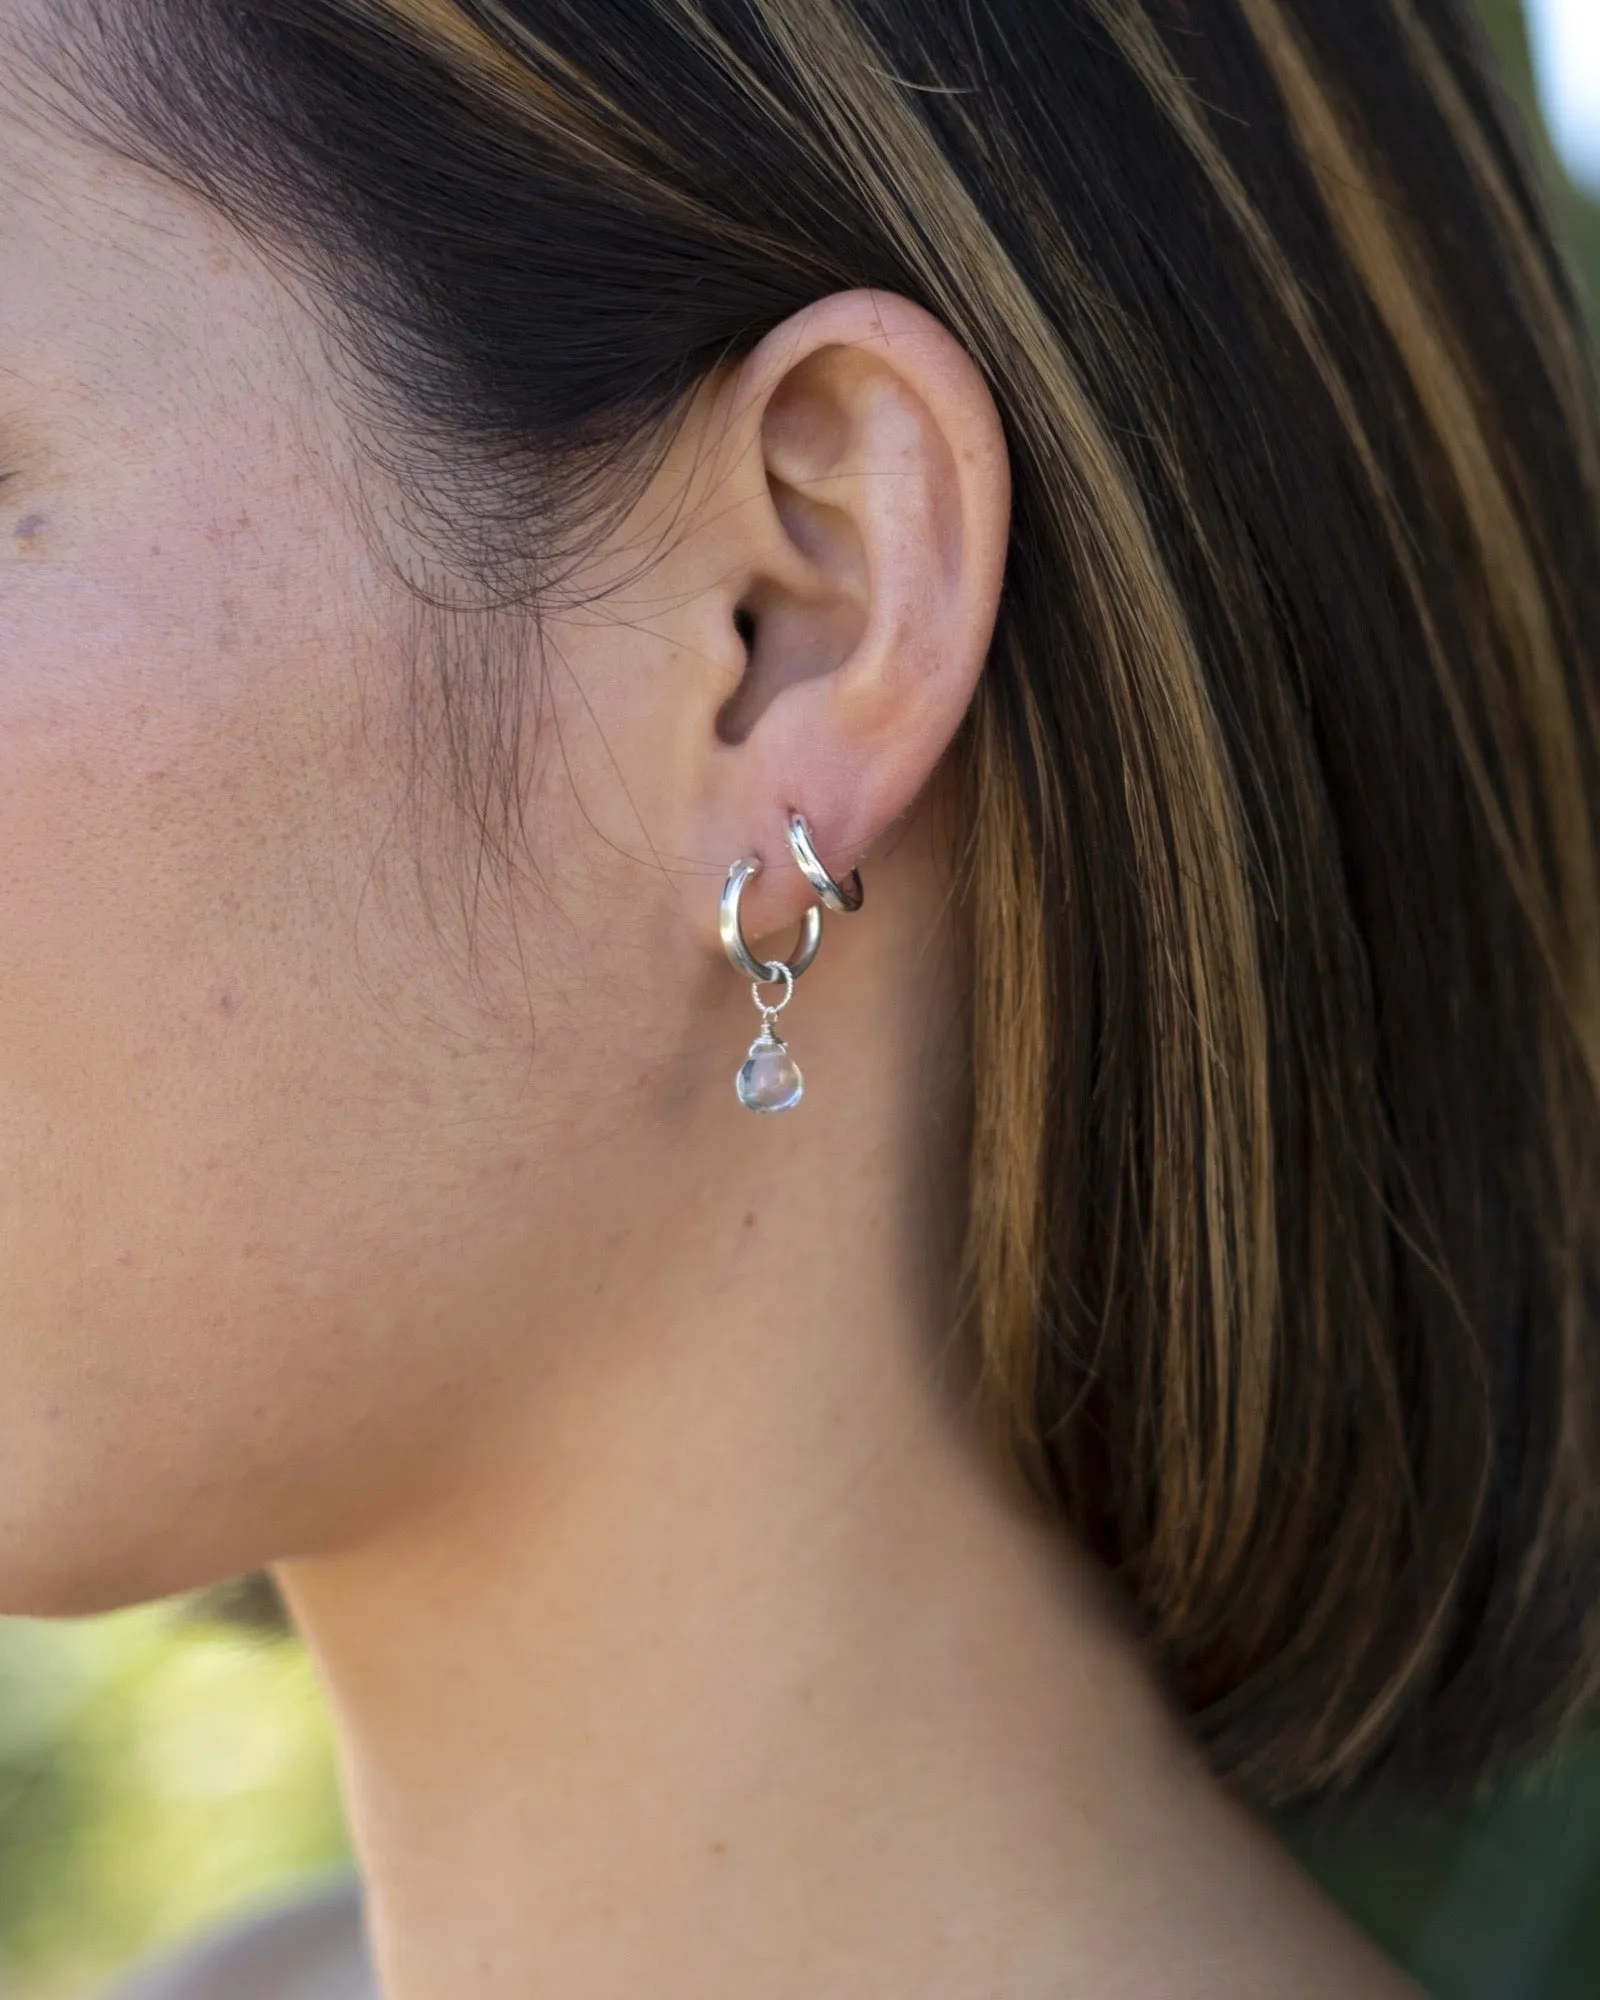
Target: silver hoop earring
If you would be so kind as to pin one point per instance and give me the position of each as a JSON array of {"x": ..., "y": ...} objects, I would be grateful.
[
  {"x": 800, "y": 846},
  {"x": 769, "y": 1079}
]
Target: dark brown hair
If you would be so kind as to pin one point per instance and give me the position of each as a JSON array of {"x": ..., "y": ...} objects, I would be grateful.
[{"x": 1281, "y": 781}]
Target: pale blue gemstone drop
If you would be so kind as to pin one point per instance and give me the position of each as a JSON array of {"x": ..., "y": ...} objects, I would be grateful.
[{"x": 770, "y": 1078}]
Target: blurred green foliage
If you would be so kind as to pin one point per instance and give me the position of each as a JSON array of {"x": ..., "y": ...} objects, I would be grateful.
[
  {"x": 1492, "y": 1902},
  {"x": 166, "y": 1765},
  {"x": 1577, "y": 217},
  {"x": 157, "y": 1768}
]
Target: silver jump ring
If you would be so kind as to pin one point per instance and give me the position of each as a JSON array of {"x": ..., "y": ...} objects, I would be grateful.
[
  {"x": 800, "y": 845},
  {"x": 772, "y": 1008},
  {"x": 760, "y": 969}
]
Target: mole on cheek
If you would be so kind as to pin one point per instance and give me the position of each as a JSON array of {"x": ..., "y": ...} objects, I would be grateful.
[{"x": 28, "y": 531}]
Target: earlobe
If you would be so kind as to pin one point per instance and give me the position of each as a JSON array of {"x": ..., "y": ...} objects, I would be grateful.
[{"x": 872, "y": 591}]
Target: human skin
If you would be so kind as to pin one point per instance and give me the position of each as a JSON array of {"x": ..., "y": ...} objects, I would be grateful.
[{"x": 391, "y": 1219}]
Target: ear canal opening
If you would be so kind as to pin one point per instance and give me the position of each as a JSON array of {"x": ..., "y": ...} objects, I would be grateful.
[{"x": 735, "y": 718}]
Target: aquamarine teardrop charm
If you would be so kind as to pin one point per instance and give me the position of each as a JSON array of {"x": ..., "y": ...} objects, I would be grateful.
[{"x": 769, "y": 1079}]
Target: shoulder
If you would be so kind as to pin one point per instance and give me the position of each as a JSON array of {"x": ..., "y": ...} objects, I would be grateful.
[{"x": 312, "y": 1949}]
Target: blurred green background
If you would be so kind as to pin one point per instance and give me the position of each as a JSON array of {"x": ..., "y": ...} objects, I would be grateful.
[
  {"x": 157, "y": 1769},
  {"x": 168, "y": 1765}
]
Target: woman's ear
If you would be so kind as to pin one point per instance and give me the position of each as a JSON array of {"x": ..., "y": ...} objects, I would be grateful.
[{"x": 860, "y": 537}]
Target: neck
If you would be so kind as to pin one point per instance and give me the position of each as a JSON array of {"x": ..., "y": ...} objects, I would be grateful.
[
  {"x": 728, "y": 1664},
  {"x": 725, "y": 1697}
]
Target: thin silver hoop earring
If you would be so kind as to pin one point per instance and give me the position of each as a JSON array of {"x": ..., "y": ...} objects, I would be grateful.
[
  {"x": 802, "y": 848},
  {"x": 769, "y": 1078}
]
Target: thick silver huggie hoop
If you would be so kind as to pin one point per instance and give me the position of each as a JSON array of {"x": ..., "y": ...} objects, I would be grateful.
[
  {"x": 843, "y": 900},
  {"x": 743, "y": 958},
  {"x": 769, "y": 1078}
]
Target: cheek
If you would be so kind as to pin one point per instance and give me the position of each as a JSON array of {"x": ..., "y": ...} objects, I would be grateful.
[
  {"x": 202, "y": 1249},
  {"x": 288, "y": 1215}
]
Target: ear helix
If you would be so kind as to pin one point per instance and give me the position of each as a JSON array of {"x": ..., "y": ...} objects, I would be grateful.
[{"x": 769, "y": 1078}]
